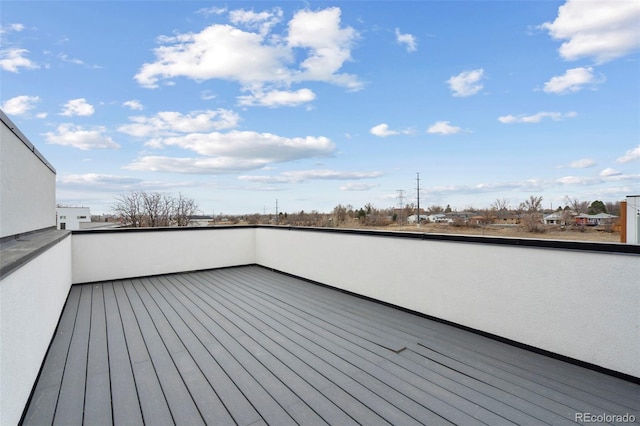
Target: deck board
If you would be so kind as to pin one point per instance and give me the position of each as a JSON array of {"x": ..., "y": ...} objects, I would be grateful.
[
  {"x": 250, "y": 346},
  {"x": 124, "y": 396},
  {"x": 70, "y": 407}
]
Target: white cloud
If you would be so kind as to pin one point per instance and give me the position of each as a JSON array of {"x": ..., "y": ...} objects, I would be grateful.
[
  {"x": 96, "y": 180},
  {"x": 276, "y": 98},
  {"x": 193, "y": 165},
  {"x": 536, "y": 118},
  {"x": 357, "y": 186},
  {"x": 215, "y": 10},
  {"x": 217, "y": 52},
  {"x": 382, "y": 130},
  {"x": 169, "y": 123},
  {"x": 11, "y": 28},
  {"x": 231, "y": 152},
  {"x": 133, "y": 104},
  {"x": 248, "y": 144},
  {"x": 407, "y": 39},
  {"x": 328, "y": 46},
  {"x": 573, "y": 180},
  {"x": 609, "y": 172},
  {"x": 77, "y": 107},
  {"x": 602, "y": 30},
  {"x": 20, "y": 105},
  {"x": 466, "y": 83},
  {"x": 631, "y": 155},
  {"x": 316, "y": 174},
  {"x": 207, "y": 95},
  {"x": 78, "y": 137},
  {"x": 573, "y": 80},
  {"x": 443, "y": 128},
  {"x": 65, "y": 58},
  {"x": 14, "y": 58},
  {"x": 256, "y": 58},
  {"x": 261, "y": 21},
  {"x": 582, "y": 163}
]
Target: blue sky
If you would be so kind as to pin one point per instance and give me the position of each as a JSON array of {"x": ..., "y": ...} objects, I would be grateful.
[{"x": 315, "y": 104}]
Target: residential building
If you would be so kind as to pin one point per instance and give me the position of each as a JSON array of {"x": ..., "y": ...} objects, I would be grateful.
[
  {"x": 595, "y": 219},
  {"x": 556, "y": 218},
  {"x": 414, "y": 218},
  {"x": 71, "y": 217}
]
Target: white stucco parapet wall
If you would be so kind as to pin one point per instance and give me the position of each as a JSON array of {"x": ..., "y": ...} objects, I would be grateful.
[
  {"x": 31, "y": 300},
  {"x": 577, "y": 303},
  {"x": 567, "y": 298},
  {"x": 128, "y": 253},
  {"x": 28, "y": 184}
]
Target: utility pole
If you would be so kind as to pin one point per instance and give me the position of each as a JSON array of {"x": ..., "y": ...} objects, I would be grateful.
[
  {"x": 401, "y": 204},
  {"x": 277, "y": 218},
  {"x": 418, "y": 195}
]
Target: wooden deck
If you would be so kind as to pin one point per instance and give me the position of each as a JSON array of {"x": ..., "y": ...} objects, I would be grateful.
[{"x": 250, "y": 346}]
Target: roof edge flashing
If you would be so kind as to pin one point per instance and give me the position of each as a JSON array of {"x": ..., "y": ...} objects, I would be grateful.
[{"x": 14, "y": 129}]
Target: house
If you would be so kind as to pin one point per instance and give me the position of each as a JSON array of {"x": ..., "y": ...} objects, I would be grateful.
[
  {"x": 71, "y": 217},
  {"x": 595, "y": 219},
  {"x": 556, "y": 218},
  {"x": 510, "y": 219},
  {"x": 414, "y": 218},
  {"x": 438, "y": 218},
  {"x": 285, "y": 325}
]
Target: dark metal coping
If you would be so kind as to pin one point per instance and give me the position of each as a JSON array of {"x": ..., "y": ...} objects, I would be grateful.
[
  {"x": 20, "y": 249},
  {"x": 11, "y": 126},
  {"x": 520, "y": 242}
]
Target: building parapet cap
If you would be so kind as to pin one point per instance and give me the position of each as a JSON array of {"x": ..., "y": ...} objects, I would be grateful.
[
  {"x": 11, "y": 126},
  {"x": 460, "y": 238}
]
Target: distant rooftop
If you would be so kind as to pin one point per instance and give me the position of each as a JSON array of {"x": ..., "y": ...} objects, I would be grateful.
[{"x": 246, "y": 345}]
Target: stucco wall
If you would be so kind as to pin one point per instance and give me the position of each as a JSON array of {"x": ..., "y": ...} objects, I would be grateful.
[
  {"x": 71, "y": 217},
  {"x": 27, "y": 186},
  {"x": 581, "y": 304},
  {"x": 31, "y": 300},
  {"x": 107, "y": 255},
  {"x": 633, "y": 219}
]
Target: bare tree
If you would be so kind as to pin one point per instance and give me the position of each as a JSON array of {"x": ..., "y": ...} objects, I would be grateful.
[
  {"x": 151, "y": 203},
  {"x": 183, "y": 209},
  {"x": 576, "y": 205},
  {"x": 129, "y": 207},
  {"x": 435, "y": 209},
  {"x": 613, "y": 207},
  {"x": 501, "y": 207},
  {"x": 531, "y": 211},
  {"x": 340, "y": 214},
  {"x": 532, "y": 205},
  {"x": 139, "y": 208}
]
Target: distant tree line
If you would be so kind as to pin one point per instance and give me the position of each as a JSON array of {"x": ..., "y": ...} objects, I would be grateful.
[{"x": 154, "y": 209}]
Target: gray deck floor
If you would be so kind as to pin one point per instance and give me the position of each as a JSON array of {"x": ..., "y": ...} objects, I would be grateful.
[{"x": 250, "y": 346}]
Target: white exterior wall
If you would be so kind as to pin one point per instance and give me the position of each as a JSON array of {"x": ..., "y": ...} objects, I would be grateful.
[
  {"x": 108, "y": 255},
  {"x": 72, "y": 216},
  {"x": 584, "y": 305},
  {"x": 31, "y": 301},
  {"x": 27, "y": 187},
  {"x": 633, "y": 219}
]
